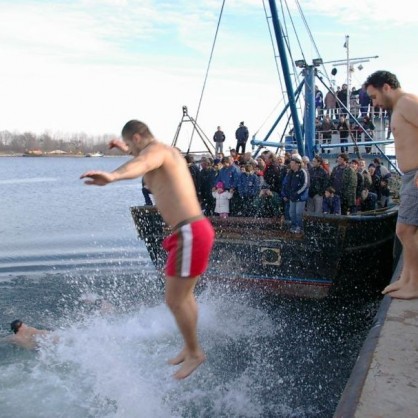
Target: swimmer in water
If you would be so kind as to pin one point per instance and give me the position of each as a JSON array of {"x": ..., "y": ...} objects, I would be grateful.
[{"x": 24, "y": 335}]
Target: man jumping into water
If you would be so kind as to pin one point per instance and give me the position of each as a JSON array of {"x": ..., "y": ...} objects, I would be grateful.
[
  {"x": 167, "y": 176},
  {"x": 384, "y": 89}
]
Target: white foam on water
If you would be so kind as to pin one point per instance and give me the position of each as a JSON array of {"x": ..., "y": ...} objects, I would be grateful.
[
  {"x": 116, "y": 366},
  {"x": 29, "y": 180}
]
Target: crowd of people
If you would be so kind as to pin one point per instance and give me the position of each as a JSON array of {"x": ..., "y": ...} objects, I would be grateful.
[
  {"x": 287, "y": 186},
  {"x": 332, "y": 116}
]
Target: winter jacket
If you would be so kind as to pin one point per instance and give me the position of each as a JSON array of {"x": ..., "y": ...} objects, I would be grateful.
[
  {"x": 219, "y": 136},
  {"x": 222, "y": 201},
  {"x": 332, "y": 205},
  {"x": 319, "y": 181},
  {"x": 241, "y": 134},
  {"x": 248, "y": 184},
  {"x": 297, "y": 185},
  {"x": 228, "y": 176}
]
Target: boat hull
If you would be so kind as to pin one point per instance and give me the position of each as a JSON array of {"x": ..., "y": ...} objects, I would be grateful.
[{"x": 335, "y": 255}]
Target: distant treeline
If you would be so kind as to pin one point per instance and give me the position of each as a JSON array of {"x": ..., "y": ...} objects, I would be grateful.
[{"x": 80, "y": 143}]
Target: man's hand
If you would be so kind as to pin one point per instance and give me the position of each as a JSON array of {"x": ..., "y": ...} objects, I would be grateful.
[
  {"x": 117, "y": 143},
  {"x": 97, "y": 178}
]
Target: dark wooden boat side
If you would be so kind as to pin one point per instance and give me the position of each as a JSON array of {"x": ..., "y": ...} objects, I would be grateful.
[{"x": 336, "y": 254}]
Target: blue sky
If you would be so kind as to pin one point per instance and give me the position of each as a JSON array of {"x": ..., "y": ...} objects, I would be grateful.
[{"x": 91, "y": 65}]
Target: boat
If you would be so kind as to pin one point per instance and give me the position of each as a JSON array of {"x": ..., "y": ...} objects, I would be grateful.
[
  {"x": 95, "y": 154},
  {"x": 337, "y": 254}
]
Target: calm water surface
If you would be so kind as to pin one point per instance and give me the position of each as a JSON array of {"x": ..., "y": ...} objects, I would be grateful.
[{"x": 64, "y": 245}]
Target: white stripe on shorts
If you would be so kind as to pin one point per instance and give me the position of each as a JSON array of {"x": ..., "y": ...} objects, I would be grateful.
[{"x": 186, "y": 261}]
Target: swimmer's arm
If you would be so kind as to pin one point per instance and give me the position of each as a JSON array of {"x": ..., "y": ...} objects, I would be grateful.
[{"x": 6, "y": 340}]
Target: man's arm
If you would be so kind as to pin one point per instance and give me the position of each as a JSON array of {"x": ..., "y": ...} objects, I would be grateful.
[
  {"x": 138, "y": 166},
  {"x": 117, "y": 143},
  {"x": 408, "y": 108},
  {"x": 6, "y": 340}
]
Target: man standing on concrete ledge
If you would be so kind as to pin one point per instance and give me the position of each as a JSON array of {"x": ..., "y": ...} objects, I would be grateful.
[
  {"x": 385, "y": 90},
  {"x": 167, "y": 176}
]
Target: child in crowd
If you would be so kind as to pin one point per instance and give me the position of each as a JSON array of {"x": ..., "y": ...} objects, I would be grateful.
[
  {"x": 331, "y": 203},
  {"x": 222, "y": 198}
]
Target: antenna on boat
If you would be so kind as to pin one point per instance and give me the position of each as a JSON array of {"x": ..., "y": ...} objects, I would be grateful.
[{"x": 349, "y": 63}]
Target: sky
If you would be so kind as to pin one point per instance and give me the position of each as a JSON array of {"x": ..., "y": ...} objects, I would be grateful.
[{"x": 71, "y": 66}]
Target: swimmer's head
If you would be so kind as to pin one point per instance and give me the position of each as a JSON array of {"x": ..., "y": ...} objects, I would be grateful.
[{"x": 15, "y": 325}]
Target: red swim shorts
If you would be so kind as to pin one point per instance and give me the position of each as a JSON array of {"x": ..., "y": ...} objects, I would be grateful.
[{"x": 189, "y": 248}]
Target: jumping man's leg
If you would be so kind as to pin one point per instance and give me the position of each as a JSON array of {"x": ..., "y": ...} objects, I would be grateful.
[
  {"x": 407, "y": 285},
  {"x": 182, "y": 303}
]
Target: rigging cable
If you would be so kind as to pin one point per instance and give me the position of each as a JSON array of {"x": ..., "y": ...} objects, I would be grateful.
[
  {"x": 312, "y": 40},
  {"x": 276, "y": 54},
  {"x": 207, "y": 73}
]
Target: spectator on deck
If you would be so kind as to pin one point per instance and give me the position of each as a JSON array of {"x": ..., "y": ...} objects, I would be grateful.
[
  {"x": 267, "y": 205},
  {"x": 241, "y": 135},
  {"x": 207, "y": 179},
  {"x": 248, "y": 188},
  {"x": 297, "y": 187},
  {"x": 331, "y": 203},
  {"x": 344, "y": 131},
  {"x": 219, "y": 138},
  {"x": 368, "y": 200},
  {"x": 319, "y": 180},
  {"x": 344, "y": 180}
]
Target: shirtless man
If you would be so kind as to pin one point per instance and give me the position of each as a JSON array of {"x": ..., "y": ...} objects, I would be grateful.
[
  {"x": 166, "y": 174},
  {"x": 24, "y": 335},
  {"x": 385, "y": 91}
]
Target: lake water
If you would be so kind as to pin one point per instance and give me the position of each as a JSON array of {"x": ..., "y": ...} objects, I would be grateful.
[{"x": 63, "y": 244}]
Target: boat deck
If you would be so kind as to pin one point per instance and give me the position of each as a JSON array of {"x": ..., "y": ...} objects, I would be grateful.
[{"x": 384, "y": 381}]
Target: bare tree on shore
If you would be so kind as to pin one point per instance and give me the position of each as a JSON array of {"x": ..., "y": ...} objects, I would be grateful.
[{"x": 75, "y": 143}]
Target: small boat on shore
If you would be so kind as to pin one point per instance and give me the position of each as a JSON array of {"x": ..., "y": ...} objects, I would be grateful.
[{"x": 95, "y": 154}]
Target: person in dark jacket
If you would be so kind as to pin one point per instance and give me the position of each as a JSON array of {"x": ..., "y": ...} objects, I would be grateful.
[
  {"x": 344, "y": 180},
  {"x": 331, "y": 203},
  {"x": 368, "y": 200},
  {"x": 248, "y": 187},
  {"x": 194, "y": 171},
  {"x": 319, "y": 181},
  {"x": 344, "y": 130},
  {"x": 228, "y": 174},
  {"x": 219, "y": 138},
  {"x": 342, "y": 97},
  {"x": 297, "y": 187},
  {"x": 354, "y": 164},
  {"x": 207, "y": 179},
  {"x": 241, "y": 135}
]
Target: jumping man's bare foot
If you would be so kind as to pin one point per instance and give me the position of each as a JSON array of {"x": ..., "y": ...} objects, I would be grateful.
[
  {"x": 406, "y": 290},
  {"x": 178, "y": 359},
  {"x": 401, "y": 282},
  {"x": 190, "y": 364}
]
